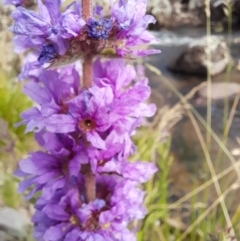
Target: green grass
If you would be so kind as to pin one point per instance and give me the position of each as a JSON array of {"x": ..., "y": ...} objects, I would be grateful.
[{"x": 14, "y": 143}]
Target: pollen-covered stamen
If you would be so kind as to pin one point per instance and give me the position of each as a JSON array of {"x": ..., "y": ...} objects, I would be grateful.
[
  {"x": 106, "y": 225},
  {"x": 92, "y": 222},
  {"x": 47, "y": 54},
  {"x": 86, "y": 125},
  {"x": 99, "y": 29},
  {"x": 74, "y": 220}
]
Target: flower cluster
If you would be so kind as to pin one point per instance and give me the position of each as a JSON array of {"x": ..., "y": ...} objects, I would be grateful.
[
  {"x": 58, "y": 38},
  {"x": 87, "y": 189},
  {"x": 82, "y": 130}
]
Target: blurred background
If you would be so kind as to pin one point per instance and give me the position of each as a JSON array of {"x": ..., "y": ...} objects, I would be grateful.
[{"x": 194, "y": 137}]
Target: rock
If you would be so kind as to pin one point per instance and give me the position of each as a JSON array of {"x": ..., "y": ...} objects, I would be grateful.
[
  {"x": 220, "y": 90},
  {"x": 178, "y": 13},
  {"x": 236, "y": 11},
  {"x": 193, "y": 60},
  {"x": 172, "y": 13},
  {"x": 13, "y": 226}
]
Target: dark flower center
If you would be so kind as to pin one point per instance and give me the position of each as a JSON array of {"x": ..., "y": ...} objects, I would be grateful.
[
  {"x": 86, "y": 125},
  {"x": 99, "y": 29},
  {"x": 54, "y": 31},
  {"x": 47, "y": 53},
  {"x": 63, "y": 108}
]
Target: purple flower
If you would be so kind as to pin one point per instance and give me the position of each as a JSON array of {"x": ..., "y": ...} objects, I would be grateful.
[
  {"x": 89, "y": 112},
  {"x": 66, "y": 216},
  {"x": 109, "y": 160},
  {"x": 51, "y": 92},
  {"x": 128, "y": 103},
  {"x": 113, "y": 73},
  {"x": 99, "y": 29},
  {"x": 54, "y": 218},
  {"x": 139, "y": 171},
  {"x": 132, "y": 24},
  {"x": 47, "y": 27},
  {"x": 47, "y": 172},
  {"x": 31, "y": 68},
  {"x": 42, "y": 172},
  {"x": 130, "y": 100},
  {"x": 53, "y": 170}
]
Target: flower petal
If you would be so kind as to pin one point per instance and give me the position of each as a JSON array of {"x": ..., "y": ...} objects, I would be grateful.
[
  {"x": 60, "y": 123},
  {"x": 96, "y": 140}
]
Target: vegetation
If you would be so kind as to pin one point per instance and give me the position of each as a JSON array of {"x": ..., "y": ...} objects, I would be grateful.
[
  {"x": 189, "y": 218},
  {"x": 13, "y": 142}
]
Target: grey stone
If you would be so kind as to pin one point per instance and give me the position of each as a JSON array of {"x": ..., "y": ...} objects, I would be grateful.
[
  {"x": 220, "y": 90},
  {"x": 194, "y": 59},
  {"x": 13, "y": 226}
]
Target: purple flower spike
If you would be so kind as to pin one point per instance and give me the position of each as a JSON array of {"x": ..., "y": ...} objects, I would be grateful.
[
  {"x": 85, "y": 187},
  {"x": 81, "y": 130}
]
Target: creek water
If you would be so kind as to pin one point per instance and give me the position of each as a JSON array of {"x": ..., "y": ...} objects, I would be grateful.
[{"x": 189, "y": 168}]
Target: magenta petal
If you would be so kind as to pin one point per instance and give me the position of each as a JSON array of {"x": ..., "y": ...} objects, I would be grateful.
[
  {"x": 143, "y": 53},
  {"x": 46, "y": 177},
  {"x": 35, "y": 92},
  {"x": 140, "y": 171},
  {"x": 54, "y": 9},
  {"x": 102, "y": 96},
  {"x": 24, "y": 185},
  {"x": 56, "y": 212},
  {"x": 55, "y": 233},
  {"x": 96, "y": 140},
  {"x": 151, "y": 110},
  {"x": 72, "y": 236},
  {"x": 60, "y": 123},
  {"x": 48, "y": 191},
  {"x": 75, "y": 166},
  {"x": 28, "y": 166}
]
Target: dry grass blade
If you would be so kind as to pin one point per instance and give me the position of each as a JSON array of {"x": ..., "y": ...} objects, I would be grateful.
[
  {"x": 205, "y": 213},
  {"x": 202, "y": 187},
  {"x": 212, "y": 170},
  {"x": 198, "y": 116}
]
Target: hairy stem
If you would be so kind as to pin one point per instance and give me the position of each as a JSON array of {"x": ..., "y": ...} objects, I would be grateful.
[
  {"x": 90, "y": 182},
  {"x": 86, "y": 9},
  {"x": 87, "y": 71},
  {"x": 90, "y": 185}
]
